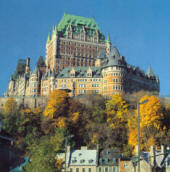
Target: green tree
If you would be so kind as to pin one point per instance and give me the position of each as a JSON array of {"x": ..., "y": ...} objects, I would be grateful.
[{"x": 43, "y": 154}]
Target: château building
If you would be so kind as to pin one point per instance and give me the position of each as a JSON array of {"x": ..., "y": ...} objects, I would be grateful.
[{"x": 79, "y": 59}]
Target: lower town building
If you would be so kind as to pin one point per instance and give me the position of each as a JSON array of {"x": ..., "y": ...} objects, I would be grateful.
[{"x": 84, "y": 160}]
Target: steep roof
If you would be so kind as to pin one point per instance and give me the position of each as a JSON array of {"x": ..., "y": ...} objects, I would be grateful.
[
  {"x": 114, "y": 58},
  {"x": 150, "y": 72},
  {"x": 80, "y": 72},
  {"x": 69, "y": 19},
  {"x": 78, "y": 23},
  {"x": 82, "y": 157}
]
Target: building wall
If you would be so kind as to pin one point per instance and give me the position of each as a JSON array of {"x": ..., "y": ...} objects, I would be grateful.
[
  {"x": 80, "y": 168},
  {"x": 28, "y": 102},
  {"x": 73, "y": 51}
]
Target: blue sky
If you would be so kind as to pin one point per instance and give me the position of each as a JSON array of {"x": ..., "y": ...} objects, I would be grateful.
[{"x": 140, "y": 30}]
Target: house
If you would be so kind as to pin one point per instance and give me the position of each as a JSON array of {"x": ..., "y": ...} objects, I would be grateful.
[{"x": 93, "y": 160}]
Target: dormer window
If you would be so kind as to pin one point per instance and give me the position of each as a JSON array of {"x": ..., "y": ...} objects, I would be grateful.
[
  {"x": 74, "y": 161},
  {"x": 91, "y": 160},
  {"x": 82, "y": 161},
  {"x": 72, "y": 73},
  {"x": 89, "y": 72}
]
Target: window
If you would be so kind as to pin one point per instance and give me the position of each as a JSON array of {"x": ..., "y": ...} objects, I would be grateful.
[
  {"x": 83, "y": 169},
  {"x": 71, "y": 170},
  {"x": 77, "y": 169},
  {"x": 114, "y": 169},
  {"x": 106, "y": 169},
  {"x": 100, "y": 169},
  {"x": 89, "y": 170},
  {"x": 64, "y": 86}
]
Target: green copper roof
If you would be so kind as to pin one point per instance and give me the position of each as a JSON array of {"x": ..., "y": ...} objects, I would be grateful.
[
  {"x": 75, "y": 20},
  {"x": 49, "y": 38},
  {"x": 78, "y": 22},
  {"x": 54, "y": 30},
  {"x": 108, "y": 38}
]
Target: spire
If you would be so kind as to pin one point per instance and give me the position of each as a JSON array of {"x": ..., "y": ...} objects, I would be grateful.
[
  {"x": 54, "y": 30},
  {"x": 150, "y": 72},
  {"x": 49, "y": 38},
  {"x": 108, "y": 38},
  {"x": 115, "y": 52}
]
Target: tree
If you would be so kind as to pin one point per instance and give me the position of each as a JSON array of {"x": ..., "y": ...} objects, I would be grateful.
[
  {"x": 151, "y": 124},
  {"x": 43, "y": 155},
  {"x": 10, "y": 106},
  {"x": 117, "y": 111},
  {"x": 57, "y": 104}
]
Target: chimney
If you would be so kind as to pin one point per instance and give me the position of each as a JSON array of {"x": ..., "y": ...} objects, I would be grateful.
[{"x": 83, "y": 147}]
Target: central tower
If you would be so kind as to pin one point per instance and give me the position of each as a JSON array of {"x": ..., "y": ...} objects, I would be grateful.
[{"x": 75, "y": 41}]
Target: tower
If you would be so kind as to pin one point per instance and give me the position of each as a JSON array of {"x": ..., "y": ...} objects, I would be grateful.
[
  {"x": 75, "y": 41},
  {"x": 108, "y": 44},
  {"x": 27, "y": 67}
]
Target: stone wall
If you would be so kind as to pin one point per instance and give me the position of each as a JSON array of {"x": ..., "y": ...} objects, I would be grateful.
[{"x": 27, "y": 102}]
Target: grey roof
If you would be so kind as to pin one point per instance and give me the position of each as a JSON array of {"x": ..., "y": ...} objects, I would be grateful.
[
  {"x": 115, "y": 53},
  {"x": 114, "y": 58},
  {"x": 80, "y": 72},
  {"x": 109, "y": 157},
  {"x": 150, "y": 72},
  {"x": 102, "y": 54},
  {"x": 82, "y": 157}
]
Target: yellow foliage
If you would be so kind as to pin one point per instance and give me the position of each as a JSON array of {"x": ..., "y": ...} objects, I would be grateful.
[
  {"x": 117, "y": 111},
  {"x": 133, "y": 138},
  {"x": 61, "y": 122},
  {"x": 25, "y": 111},
  {"x": 150, "y": 120},
  {"x": 37, "y": 110},
  {"x": 56, "y": 103},
  {"x": 151, "y": 112},
  {"x": 168, "y": 106},
  {"x": 94, "y": 138},
  {"x": 75, "y": 117},
  {"x": 10, "y": 106},
  {"x": 59, "y": 164}
]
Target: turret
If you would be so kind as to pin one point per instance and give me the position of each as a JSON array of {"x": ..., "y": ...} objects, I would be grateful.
[
  {"x": 49, "y": 38},
  {"x": 108, "y": 44},
  {"x": 27, "y": 67},
  {"x": 150, "y": 72}
]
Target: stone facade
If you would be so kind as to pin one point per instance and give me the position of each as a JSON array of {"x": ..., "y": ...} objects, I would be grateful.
[{"x": 79, "y": 59}]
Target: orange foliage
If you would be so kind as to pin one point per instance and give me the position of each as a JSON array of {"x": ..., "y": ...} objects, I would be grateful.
[
  {"x": 56, "y": 104},
  {"x": 150, "y": 121},
  {"x": 117, "y": 111}
]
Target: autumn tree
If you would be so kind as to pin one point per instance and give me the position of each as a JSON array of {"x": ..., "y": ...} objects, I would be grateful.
[
  {"x": 56, "y": 111},
  {"x": 117, "y": 111},
  {"x": 150, "y": 124},
  {"x": 57, "y": 104},
  {"x": 107, "y": 127},
  {"x": 10, "y": 106}
]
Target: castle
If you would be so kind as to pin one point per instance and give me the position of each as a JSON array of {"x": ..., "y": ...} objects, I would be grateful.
[{"x": 81, "y": 60}]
